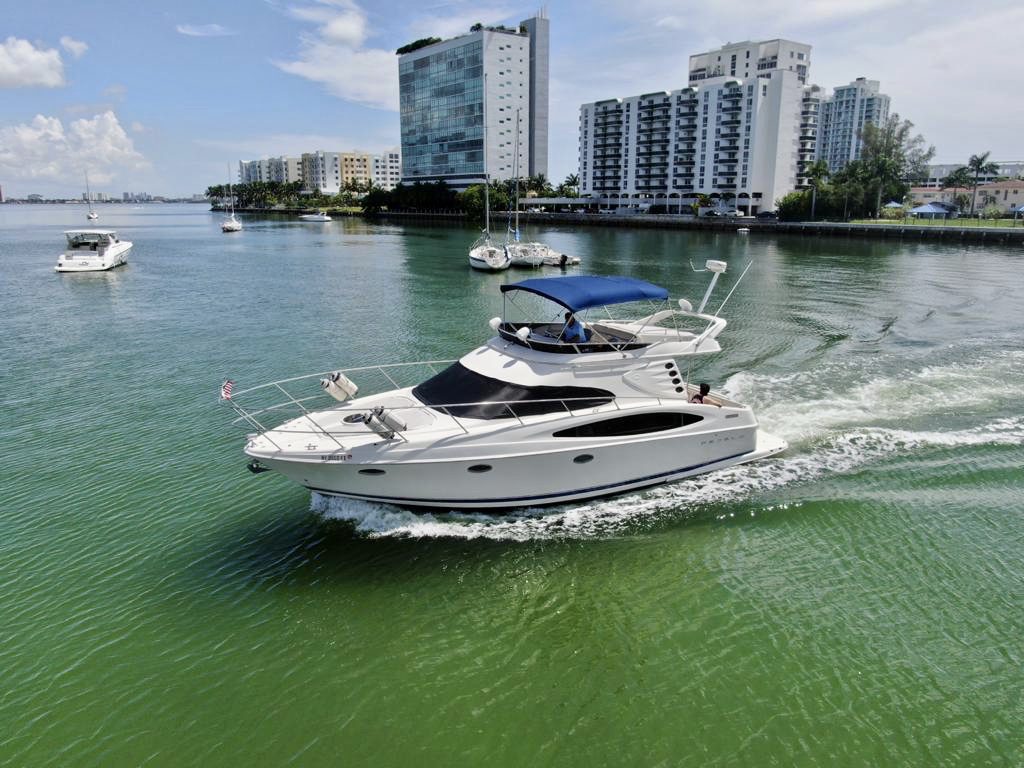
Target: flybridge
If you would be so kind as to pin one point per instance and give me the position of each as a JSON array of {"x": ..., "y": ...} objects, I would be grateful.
[{"x": 579, "y": 292}]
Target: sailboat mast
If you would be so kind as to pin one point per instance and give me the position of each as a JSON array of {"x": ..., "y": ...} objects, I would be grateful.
[
  {"x": 515, "y": 162},
  {"x": 487, "y": 178},
  {"x": 231, "y": 194},
  {"x": 88, "y": 193}
]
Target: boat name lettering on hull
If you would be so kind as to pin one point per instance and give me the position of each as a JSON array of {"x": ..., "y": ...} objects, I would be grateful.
[{"x": 336, "y": 457}]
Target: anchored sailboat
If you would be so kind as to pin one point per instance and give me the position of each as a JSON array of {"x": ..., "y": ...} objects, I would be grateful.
[
  {"x": 483, "y": 254},
  {"x": 231, "y": 224},
  {"x": 91, "y": 215},
  {"x": 529, "y": 254}
]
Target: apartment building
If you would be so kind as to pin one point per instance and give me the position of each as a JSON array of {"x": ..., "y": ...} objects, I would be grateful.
[
  {"x": 448, "y": 91},
  {"x": 387, "y": 170},
  {"x": 283, "y": 169},
  {"x": 1013, "y": 169},
  {"x": 843, "y": 116},
  {"x": 740, "y": 132}
]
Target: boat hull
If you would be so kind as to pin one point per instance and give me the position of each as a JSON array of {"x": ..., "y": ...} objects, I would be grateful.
[
  {"x": 531, "y": 480},
  {"x": 85, "y": 261}
]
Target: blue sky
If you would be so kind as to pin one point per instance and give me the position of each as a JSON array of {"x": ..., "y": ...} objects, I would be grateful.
[{"x": 161, "y": 97}]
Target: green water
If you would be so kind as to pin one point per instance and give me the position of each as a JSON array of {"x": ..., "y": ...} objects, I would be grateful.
[{"x": 858, "y": 601}]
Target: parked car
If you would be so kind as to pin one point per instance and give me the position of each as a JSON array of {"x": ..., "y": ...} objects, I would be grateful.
[
  {"x": 734, "y": 213},
  {"x": 711, "y": 214},
  {"x": 768, "y": 215}
]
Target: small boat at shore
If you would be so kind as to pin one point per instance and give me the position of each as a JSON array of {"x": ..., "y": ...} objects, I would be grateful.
[
  {"x": 319, "y": 216},
  {"x": 92, "y": 250}
]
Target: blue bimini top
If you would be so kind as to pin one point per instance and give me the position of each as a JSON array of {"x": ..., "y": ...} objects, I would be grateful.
[{"x": 577, "y": 292}]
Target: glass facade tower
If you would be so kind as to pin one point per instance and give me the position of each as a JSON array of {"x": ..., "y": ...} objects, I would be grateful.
[
  {"x": 448, "y": 89},
  {"x": 441, "y": 98}
]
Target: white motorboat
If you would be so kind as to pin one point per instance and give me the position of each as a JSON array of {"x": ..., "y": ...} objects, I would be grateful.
[
  {"x": 91, "y": 215},
  {"x": 231, "y": 224},
  {"x": 92, "y": 250},
  {"x": 527, "y": 419},
  {"x": 321, "y": 216}
]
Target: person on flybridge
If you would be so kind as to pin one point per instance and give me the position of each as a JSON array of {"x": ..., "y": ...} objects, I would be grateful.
[{"x": 574, "y": 330}]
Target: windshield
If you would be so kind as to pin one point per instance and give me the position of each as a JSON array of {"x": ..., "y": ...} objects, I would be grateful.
[{"x": 458, "y": 384}]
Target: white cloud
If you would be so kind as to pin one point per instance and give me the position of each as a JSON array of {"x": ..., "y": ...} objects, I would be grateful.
[
  {"x": 75, "y": 47},
  {"x": 44, "y": 149},
  {"x": 335, "y": 57},
  {"x": 205, "y": 30},
  {"x": 22, "y": 65},
  {"x": 459, "y": 22},
  {"x": 137, "y": 127}
]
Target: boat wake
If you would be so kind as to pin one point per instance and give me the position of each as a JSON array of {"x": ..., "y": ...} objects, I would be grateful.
[{"x": 833, "y": 432}]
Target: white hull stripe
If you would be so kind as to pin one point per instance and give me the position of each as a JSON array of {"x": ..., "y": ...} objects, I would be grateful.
[{"x": 522, "y": 499}]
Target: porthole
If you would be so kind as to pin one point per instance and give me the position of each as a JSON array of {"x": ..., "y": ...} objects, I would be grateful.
[
  {"x": 679, "y": 389},
  {"x": 583, "y": 458},
  {"x": 371, "y": 471},
  {"x": 676, "y": 381},
  {"x": 669, "y": 366},
  {"x": 480, "y": 468}
]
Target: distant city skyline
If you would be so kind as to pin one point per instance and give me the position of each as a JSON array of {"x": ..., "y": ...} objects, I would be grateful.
[{"x": 162, "y": 100}]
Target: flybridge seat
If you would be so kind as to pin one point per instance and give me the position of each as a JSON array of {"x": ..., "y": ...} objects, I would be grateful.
[{"x": 545, "y": 337}]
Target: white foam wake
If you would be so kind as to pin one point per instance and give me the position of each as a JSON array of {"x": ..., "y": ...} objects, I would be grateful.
[{"x": 837, "y": 454}]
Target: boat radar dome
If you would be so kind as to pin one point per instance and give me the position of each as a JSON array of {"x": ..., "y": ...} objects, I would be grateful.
[
  {"x": 495, "y": 323},
  {"x": 715, "y": 266},
  {"x": 685, "y": 305},
  {"x": 523, "y": 333}
]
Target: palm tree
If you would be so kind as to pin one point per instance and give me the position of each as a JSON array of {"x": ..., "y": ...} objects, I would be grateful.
[
  {"x": 980, "y": 165},
  {"x": 816, "y": 173},
  {"x": 572, "y": 181}
]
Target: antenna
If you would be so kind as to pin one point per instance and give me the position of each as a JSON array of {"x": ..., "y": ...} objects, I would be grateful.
[
  {"x": 717, "y": 267},
  {"x": 737, "y": 285}
]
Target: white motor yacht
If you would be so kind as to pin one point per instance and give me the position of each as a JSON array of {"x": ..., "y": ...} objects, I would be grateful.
[
  {"x": 321, "y": 216},
  {"x": 529, "y": 418},
  {"x": 92, "y": 250}
]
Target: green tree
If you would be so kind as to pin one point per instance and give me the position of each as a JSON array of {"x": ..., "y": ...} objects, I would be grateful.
[
  {"x": 892, "y": 156},
  {"x": 978, "y": 165},
  {"x": 816, "y": 173},
  {"x": 961, "y": 177}
]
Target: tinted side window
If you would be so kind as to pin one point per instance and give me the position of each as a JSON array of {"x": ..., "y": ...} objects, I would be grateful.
[
  {"x": 638, "y": 424},
  {"x": 458, "y": 384}
]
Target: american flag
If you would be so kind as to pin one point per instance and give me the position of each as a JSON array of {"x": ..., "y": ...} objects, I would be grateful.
[{"x": 225, "y": 389}]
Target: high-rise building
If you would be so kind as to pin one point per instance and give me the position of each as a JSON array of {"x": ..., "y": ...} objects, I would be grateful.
[
  {"x": 735, "y": 133},
  {"x": 321, "y": 172},
  {"x": 843, "y": 117},
  {"x": 448, "y": 88}
]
